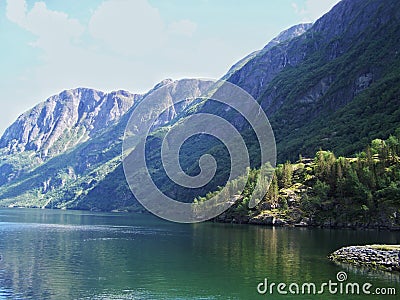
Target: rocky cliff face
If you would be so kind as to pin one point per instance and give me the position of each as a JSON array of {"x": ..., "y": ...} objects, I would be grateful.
[
  {"x": 264, "y": 65},
  {"x": 283, "y": 37},
  {"x": 83, "y": 164},
  {"x": 64, "y": 120},
  {"x": 331, "y": 36},
  {"x": 303, "y": 80}
]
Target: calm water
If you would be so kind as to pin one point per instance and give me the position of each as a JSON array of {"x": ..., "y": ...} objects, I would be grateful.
[{"x": 50, "y": 254}]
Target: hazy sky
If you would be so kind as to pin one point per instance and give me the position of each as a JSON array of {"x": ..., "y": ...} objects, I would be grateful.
[{"x": 52, "y": 45}]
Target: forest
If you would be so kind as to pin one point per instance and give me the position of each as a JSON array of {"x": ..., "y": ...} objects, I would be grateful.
[{"x": 330, "y": 191}]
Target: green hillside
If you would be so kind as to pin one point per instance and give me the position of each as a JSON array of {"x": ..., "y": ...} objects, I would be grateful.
[{"x": 330, "y": 191}]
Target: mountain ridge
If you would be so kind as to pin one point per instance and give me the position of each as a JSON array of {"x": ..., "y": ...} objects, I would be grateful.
[
  {"x": 82, "y": 110},
  {"x": 323, "y": 70},
  {"x": 64, "y": 179},
  {"x": 312, "y": 86}
]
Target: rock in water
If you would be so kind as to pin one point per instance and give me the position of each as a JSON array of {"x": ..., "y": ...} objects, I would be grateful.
[{"x": 383, "y": 257}]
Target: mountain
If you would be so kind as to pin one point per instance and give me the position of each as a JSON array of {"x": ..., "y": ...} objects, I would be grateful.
[
  {"x": 58, "y": 124},
  {"x": 284, "y": 36},
  {"x": 333, "y": 85},
  {"x": 65, "y": 177},
  {"x": 65, "y": 120}
]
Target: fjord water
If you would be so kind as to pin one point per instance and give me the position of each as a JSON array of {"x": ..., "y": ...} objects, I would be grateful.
[{"x": 53, "y": 254}]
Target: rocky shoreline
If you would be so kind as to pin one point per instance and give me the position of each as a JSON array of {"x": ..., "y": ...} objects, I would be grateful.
[
  {"x": 266, "y": 219},
  {"x": 380, "y": 257}
]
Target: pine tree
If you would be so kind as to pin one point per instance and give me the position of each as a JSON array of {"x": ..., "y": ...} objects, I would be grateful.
[
  {"x": 273, "y": 191},
  {"x": 287, "y": 175}
]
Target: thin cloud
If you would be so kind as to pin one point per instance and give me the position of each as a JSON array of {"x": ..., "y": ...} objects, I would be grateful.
[
  {"x": 128, "y": 27},
  {"x": 51, "y": 28},
  {"x": 182, "y": 27},
  {"x": 16, "y": 11}
]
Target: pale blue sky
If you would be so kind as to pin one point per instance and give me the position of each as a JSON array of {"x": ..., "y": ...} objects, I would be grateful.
[{"x": 52, "y": 45}]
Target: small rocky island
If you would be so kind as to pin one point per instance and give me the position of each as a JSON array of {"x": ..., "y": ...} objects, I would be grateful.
[{"x": 382, "y": 257}]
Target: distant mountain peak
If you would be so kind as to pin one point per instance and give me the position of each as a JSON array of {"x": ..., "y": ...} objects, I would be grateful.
[
  {"x": 65, "y": 119},
  {"x": 282, "y": 37},
  {"x": 162, "y": 83},
  {"x": 288, "y": 34}
]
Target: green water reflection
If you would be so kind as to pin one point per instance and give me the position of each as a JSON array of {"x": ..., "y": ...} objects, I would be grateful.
[{"x": 49, "y": 254}]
